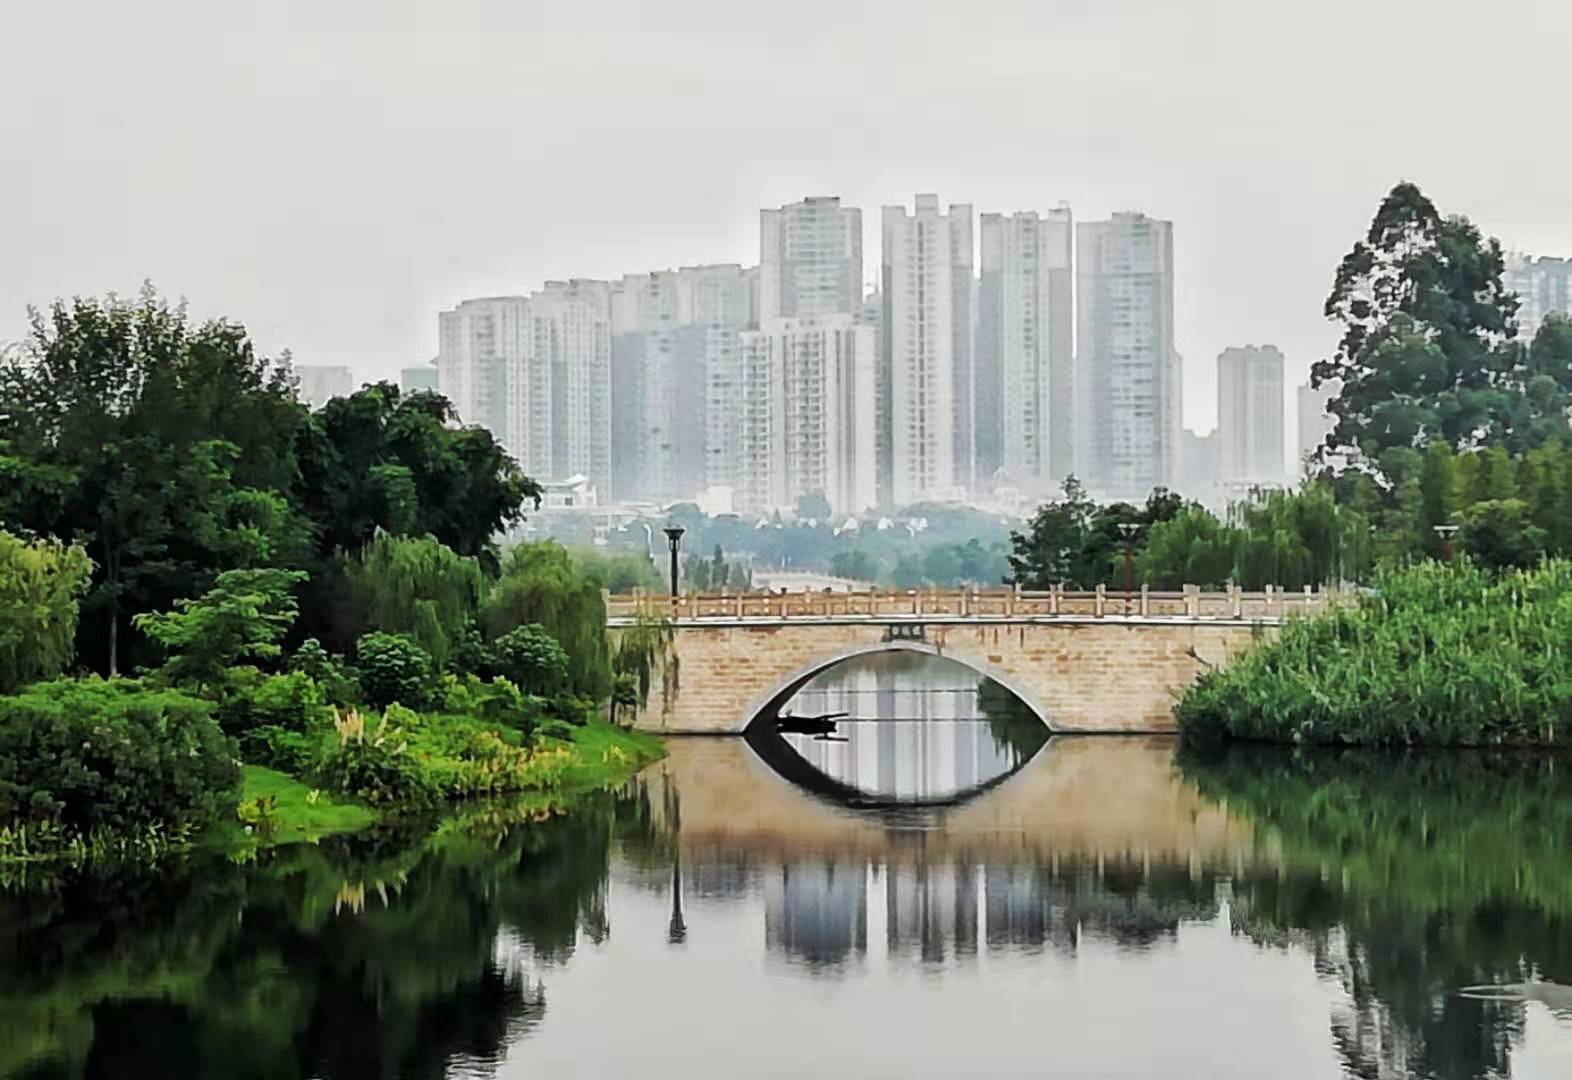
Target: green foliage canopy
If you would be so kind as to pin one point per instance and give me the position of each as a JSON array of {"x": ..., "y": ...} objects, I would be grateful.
[{"x": 243, "y": 616}]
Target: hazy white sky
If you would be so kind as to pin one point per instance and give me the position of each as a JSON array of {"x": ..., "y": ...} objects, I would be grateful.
[{"x": 332, "y": 172}]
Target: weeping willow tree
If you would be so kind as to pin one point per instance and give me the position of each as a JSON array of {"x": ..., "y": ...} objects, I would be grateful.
[
  {"x": 1287, "y": 539},
  {"x": 1302, "y": 538},
  {"x": 541, "y": 583},
  {"x": 1190, "y": 548},
  {"x": 40, "y": 586},
  {"x": 639, "y": 652},
  {"x": 417, "y": 586}
]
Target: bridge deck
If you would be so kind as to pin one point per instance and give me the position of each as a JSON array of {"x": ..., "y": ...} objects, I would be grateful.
[{"x": 978, "y": 606}]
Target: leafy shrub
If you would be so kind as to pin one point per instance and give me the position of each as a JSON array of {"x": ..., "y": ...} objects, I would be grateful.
[
  {"x": 530, "y": 658},
  {"x": 277, "y": 719},
  {"x": 339, "y": 683},
  {"x": 98, "y": 755},
  {"x": 496, "y": 702},
  {"x": 248, "y": 699},
  {"x": 279, "y": 748},
  {"x": 471, "y": 654},
  {"x": 372, "y": 761},
  {"x": 393, "y": 669},
  {"x": 571, "y": 709}
]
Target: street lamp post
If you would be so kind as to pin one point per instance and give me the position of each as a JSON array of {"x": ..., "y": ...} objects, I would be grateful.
[
  {"x": 674, "y": 542},
  {"x": 1128, "y": 529},
  {"x": 1446, "y": 532}
]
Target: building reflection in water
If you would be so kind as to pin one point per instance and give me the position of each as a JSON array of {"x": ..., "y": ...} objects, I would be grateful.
[
  {"x": 817, "y": 912},
  {"x": 917, "y": 728}
]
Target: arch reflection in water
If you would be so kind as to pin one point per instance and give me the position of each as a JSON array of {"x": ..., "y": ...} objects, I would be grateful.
[{"x": 910, "y": 729}]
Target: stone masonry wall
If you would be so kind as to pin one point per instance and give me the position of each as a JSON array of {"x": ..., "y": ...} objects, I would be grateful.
[{"x": 1104, "y": 677}]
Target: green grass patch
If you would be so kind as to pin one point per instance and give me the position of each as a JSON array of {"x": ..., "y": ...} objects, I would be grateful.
[
  {"x": 279, "y": 809},
  {"x": 606, "y": 755}
]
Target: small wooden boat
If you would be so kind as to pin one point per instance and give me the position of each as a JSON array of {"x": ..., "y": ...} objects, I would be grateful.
[{"x": 808, "y": 725}]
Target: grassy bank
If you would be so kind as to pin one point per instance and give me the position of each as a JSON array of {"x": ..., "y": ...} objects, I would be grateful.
[
  {"x": 1434, "y": 656},
  {"x": 276, "y": 809}
]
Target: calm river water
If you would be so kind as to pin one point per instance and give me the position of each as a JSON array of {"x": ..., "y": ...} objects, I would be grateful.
[{"x": 942, "y": 894}]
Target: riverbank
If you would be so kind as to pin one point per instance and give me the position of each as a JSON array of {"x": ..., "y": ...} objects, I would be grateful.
[
  {"x": 276, "y": 809},
  {"x": 1434, "y": 655}
]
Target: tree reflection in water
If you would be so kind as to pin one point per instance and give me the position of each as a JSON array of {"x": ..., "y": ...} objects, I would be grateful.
[
  {"x": 1403, "y": 880},
  {"x": 1410, "y": 877},
  {"x": 370, "y": 959}
]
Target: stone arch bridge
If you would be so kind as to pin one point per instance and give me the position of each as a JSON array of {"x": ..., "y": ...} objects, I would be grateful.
[{"x": 1083, "y": 662}]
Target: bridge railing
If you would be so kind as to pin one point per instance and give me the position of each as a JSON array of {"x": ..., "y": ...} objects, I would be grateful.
[{"x": 981, "y": 604}]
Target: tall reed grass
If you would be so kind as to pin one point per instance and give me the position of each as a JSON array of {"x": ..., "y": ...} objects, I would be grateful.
[{"x": 1434, "y": 656}]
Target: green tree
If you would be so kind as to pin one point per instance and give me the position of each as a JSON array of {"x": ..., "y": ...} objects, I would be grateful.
[
  {"x": 530, "y": 658},
  {"x": 134, "y": 433},
  {"x": 813, "y": 507},
  {"x": 855, "y": 564},
  {"x": 1191, "y": 548},
  {"x": 1500, "y": 534},
  {"x": 380, "y": 460},
  {"x": 416, "y": 586},
  {"x": 619, "y": 572},
  {"x": 1052, "y": 550},
  {"x": 1427, "y": 349},
  {"x": 1291, "y": 540},
  {"x": 41, "y": 585},
  {"x": 696, "y": 573},
  {"x": 243, "y": 616},
  {"x": 1496, "y": 476},
  {"x": 540, "y": 583}
]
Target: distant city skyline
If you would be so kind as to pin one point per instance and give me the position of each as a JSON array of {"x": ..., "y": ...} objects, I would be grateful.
[
  {"x": 344, "y": 173},
  {"x": 998, "y": 354}
]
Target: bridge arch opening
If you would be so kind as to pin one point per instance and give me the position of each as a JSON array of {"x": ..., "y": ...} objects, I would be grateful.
[
  {"x": 895, "y": 726},
  {"x": 766, "y": 707}
]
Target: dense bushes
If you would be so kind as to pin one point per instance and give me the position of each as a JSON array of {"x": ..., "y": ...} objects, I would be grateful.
[
  {"x": 530, "y": 658},
  {"x": 1434, "y": 656},
  {"x": 113, "y": 756},
  {"x": 275, "y": 718}
]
